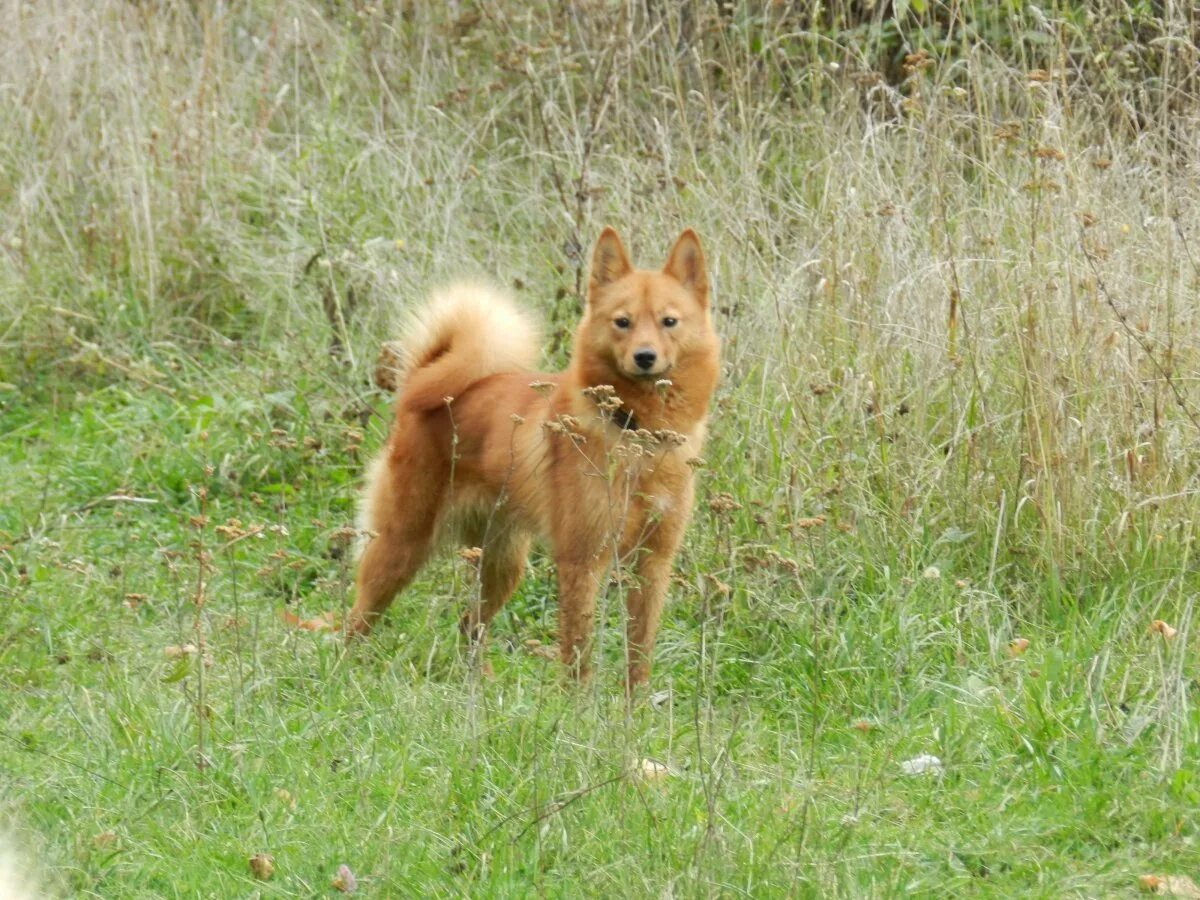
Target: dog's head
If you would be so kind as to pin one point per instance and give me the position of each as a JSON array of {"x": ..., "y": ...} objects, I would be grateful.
[{"x": 642, "y": 324}]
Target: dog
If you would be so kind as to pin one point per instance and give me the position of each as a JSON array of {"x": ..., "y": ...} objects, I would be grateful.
[{"x": 596, "y": 460}]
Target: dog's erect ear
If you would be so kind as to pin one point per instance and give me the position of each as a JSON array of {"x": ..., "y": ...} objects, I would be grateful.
[
  {"x": 685, "y": 263},
  {"x": 609, "y": 260}
]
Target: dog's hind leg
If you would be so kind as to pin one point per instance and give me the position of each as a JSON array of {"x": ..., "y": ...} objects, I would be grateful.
[
  {"x": 404, "y": 514},
  {"x": 500, "y": 572},
  {"x": 388, "y": 564}
]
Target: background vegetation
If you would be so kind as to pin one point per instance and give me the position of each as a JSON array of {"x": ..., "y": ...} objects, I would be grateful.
[{"x": 951, "y": 488}]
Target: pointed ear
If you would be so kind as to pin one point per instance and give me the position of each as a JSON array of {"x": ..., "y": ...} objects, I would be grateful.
[
  {"x": 609, "y": 260},
  {"x": 685, "y": 263}
]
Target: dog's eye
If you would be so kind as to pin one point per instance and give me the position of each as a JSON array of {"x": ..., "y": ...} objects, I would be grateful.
[
  {"x": 621, "y": 322},
  {"x": 670, "y": 322}
]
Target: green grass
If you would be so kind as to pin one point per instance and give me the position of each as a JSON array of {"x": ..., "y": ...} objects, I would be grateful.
[
  {"x": 1068, "y": 768},
  {"x": 205, "y": 206}
]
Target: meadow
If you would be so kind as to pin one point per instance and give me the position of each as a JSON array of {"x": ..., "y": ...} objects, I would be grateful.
[{"x": 947, "y": 508}]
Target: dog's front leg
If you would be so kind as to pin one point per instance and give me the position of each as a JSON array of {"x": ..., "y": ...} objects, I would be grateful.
[
  {"x": 643, "y": 606},
  {"x": 644, "y": 602},
  {"x": 578, "y": 582}
]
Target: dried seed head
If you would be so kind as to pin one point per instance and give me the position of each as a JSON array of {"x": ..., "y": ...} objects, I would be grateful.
[
  {"x": 262, "y": 865},
  {"x": 1052, "y": 153},
  {"x": 917, "y": 62},
  {"x": 671, "y": 438},
  {"x": 344, "y": 535},
  {"x": 604, "y": 396},
  {"x": 723, "y": 503},
  {"x": 783, "y": 562},
  {"x": 599, "y": 391},
  {"x": 809, "y": 522},
  {"x": 718, "y": 585},
  {"x": 542, "y": 387},
  {"x": 388, "y": 367},
  {"x": 231, "y": 529}
]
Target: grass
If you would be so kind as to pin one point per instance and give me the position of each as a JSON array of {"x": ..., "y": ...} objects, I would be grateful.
[{"x": 958, "y": 412}]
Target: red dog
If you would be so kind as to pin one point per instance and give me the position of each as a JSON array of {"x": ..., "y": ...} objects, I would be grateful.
[{"x": 595, "y": 459}]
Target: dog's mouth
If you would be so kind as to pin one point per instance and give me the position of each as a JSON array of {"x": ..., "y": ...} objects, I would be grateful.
[{"x": 644, "y": 376}]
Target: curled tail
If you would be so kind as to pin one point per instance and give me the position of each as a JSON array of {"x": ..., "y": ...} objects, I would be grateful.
[{"x": 465, "y": 332}]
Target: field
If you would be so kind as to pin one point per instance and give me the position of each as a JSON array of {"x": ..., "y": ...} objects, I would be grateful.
[{"x": 948, "y": 506}]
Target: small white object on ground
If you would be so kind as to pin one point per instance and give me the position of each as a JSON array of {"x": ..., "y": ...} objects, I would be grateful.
[
  {"x": 925, "y": 764},
  {"x": 653, "y": 770},
  {"x": 16, "y": 879}
]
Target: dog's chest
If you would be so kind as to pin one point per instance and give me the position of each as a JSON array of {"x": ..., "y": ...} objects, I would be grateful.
[{"x": 659, "y": 483}]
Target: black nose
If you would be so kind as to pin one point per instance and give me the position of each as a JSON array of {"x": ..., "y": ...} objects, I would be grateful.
[{"x": 645, "y": 358}]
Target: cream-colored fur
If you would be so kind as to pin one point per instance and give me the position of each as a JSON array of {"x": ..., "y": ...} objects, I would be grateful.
[
  {"x": 474, "y": 330},
  {"x": 365, "y": 519}
]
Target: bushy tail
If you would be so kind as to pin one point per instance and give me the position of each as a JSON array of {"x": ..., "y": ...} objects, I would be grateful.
[{"x": 465, "y": 332}]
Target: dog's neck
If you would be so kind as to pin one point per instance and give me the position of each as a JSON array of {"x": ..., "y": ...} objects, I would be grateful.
[{"x": 680, "y": 406}]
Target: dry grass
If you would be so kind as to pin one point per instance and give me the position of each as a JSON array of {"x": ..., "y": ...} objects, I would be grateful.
[{"x": 975, "y": 245}]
